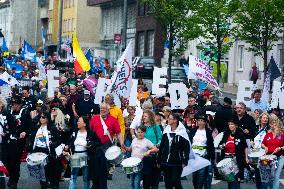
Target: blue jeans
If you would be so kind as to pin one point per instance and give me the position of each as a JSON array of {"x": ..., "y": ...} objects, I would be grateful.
[
  {"x": 276, "y": 182},
  {"x": 135, "y": 179},
  {"x": 202, "y": 178},
  {"x": 74, "y": 174}
]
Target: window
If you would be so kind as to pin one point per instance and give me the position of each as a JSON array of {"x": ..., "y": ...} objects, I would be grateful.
[
  {"x": 73, "y": 24},
  {"x": 240, "y": 58},
  {"x": 281, "y": 55},
  {"x": 141, "y": 9},
  {"x": 69, "y": 25},
  {"x": 140, "y": 43},
  {"x": 150, "y": 43}
]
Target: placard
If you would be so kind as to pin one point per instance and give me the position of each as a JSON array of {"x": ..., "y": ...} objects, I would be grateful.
[
  {"x": 133, "y": 93},
  {"x": 277, "y": 95},
  {"x": 158, "y": 80},
  {"x": 52, "y": 82},
  {"x": 178, "y": 95}
]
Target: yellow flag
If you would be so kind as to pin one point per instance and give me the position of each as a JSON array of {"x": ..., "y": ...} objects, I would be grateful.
[{"x": 84, "y": 63}]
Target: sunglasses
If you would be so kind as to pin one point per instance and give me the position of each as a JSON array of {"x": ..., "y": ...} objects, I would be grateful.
[
  {"x": 53, "y": 109},
  {"x": 43, "y": 117}
]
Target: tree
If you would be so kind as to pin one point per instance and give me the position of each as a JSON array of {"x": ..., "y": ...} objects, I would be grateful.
[
  {"x": 215, "y": 22},
  {"x": 180, "y": 27},
  {"x": 260, "y": 22}
]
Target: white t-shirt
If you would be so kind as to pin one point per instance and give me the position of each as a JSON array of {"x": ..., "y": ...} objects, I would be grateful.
[
  {"x": 80, "y": 142},
  {"x": 41, "y": 138},
  {"x": 140, "y": 146},
  {"x": 199, "y": 140}
]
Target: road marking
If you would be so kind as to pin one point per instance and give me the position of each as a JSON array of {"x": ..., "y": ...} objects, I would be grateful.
[
  {"x": 215, "y": 181},
  {"x": 281, "y": 181}
]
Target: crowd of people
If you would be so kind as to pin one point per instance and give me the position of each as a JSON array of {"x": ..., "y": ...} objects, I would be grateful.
[{"x": 163, "y": 138}]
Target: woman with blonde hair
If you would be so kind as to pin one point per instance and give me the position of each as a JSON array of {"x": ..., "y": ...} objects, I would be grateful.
[
  {"x": 58, "y": 119},
  {"x": 273, "y": 143}
]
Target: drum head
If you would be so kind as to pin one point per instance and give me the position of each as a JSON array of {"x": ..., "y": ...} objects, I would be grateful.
[
  {"x": 223, "y": 162},
  {"x": 130, "y": 162},
  {"x": 218, "y": 139},
  {"x": 112, "y": 153},
  {"x": 257, "y": 154},
  {"x": 36, "y": 158}
]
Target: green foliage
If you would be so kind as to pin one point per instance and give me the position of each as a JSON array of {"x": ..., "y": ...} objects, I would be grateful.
[
  {"x": 259, "y": 23},
  {"x": 174, "y": 16}
]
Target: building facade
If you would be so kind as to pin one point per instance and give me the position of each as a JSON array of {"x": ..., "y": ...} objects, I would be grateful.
[
  {"x": 239, "y": 60},
  {"x": 5, "y": 21},
  {"x": 142, "y": 28},
  {"x": 76, "y": 16}
]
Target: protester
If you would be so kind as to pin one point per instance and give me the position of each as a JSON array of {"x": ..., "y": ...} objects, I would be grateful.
[
  {"x": 105, "y": 127},
  {"x": 257, "y": 103},
  {"x": 83, "y": 143},
  {"x": 140, "y": 148},
  {"x": 202, "y": 144},
  {"x": 45, "y": 139},
  {"x": 151, "y": 172},
  {"x": 223, "y": 115},
  {"x": 234, "y": 146},
  {"x": 173, "y": 153}
]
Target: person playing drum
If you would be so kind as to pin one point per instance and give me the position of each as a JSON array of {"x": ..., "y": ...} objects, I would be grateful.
[
  {"x": 45, "y": 139},
  {"x": 105, "y": 127},
  {"x": 83, "y": 143},
  {"x": 273, "y": 143},
  {"x": 140, "y": 148},
  {"x": 261, "y": 131},
  {"x": 202, "y": 144},
  {"x": 234, "y": 146}
]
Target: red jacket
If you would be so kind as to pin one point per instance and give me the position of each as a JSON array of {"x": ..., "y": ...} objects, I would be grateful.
[{"x": 97, "y": 127}]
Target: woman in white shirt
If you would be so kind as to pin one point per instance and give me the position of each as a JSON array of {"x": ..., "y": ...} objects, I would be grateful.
[
  {"x": 45, "y": 138},
  {"x": 83, "y": 143}
]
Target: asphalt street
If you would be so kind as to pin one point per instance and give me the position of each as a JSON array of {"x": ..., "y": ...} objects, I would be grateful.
[{"x": 120, "y": 181}]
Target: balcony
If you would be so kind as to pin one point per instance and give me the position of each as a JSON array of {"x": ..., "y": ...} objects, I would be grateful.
[{"x": 107, "y": 3}]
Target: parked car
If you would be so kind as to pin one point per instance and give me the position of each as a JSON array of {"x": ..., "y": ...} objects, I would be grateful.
[
  {"x": 178, "y": 75},
  {"x": 144, "y": 68}
]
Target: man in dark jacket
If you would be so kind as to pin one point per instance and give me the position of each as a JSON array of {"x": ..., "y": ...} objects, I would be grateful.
[
  {"x": 223, "y": 115},
  {"x": 245, "y": 122}
]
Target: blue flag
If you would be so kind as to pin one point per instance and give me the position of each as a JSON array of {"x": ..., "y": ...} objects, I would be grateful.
[
  {"x": 102, "y": 65},
  {"x": 90, "y": 58},
  {"x": 2, "y": 82},
  {"x": 28, "y": 53},
  {"x": 4, "y": 45},
  {"x": 273, "y": 69},
  {"x": 10, "y": 64}
]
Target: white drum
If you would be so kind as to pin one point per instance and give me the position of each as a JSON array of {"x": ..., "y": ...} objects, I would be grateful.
[
  {"x": 255, "y": 155},
  {"x": 78, "y": 160},
  {"x": 132, "y": 165},
  {"x": 218, "y": 139},
  {"x": 35, "y": 163},
  {"x": 114, "y": 155},
  {"x": 228, "y": 169}
]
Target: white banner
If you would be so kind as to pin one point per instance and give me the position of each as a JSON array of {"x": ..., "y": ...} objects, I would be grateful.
[
  {"x": 121, "y": 79},
  {"x": 200, "y": 70},
  {"x": 52, "y": 81}
]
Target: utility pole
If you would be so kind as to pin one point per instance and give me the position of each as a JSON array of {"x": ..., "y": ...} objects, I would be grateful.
[
  {"x": 60, "y": 27},
  {"x": 124, "y": 30}
]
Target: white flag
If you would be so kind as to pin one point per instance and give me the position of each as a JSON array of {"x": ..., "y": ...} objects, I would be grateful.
[
  {"x": 9, "y": 79},
  {"x": 122, "y": 77},
  {"x": 266, "y": 88}
]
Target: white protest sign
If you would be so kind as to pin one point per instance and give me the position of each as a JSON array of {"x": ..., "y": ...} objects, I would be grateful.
[
  {"x": 52, "y": 82},
  {"x": 178, "y": 95},
  {"x": 133, "y": 93},
  {"x": 100, "y": 91},
  {"x": 277, "y": 95},
  {"x": 158, "y": 80},
  {"x": 197, "y": 69},
  {"x": 245, "y": 89},
  {"x": 5, "y": 91}
]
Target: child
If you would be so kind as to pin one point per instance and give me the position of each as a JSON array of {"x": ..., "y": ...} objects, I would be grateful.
[{"x": 140, "y": 148}]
